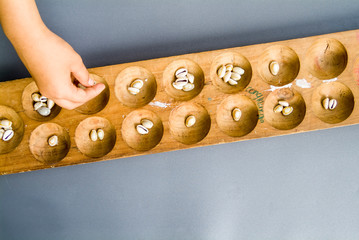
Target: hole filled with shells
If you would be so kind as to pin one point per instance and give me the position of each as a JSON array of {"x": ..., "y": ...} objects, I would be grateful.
[
  {"x": 237, "y": 115},
  {"x": 183, "y": 79},
  {"x": 332, "y": 102},
  {"x": 278, "y": 65},
  {"x": 142, "y": 129},
  {"x": 230, "y": 72},
  {"x": 49, "y": 143},
  {"x": 189, "y": 123},
  {"x": 284, "y": 108},
  {"x": 11, "y": 129},
  {"x": 135, "y": 86},
  {"x": 95, "y": 136}
]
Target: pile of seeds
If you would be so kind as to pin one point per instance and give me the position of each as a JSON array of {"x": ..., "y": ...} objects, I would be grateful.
[
  {"x": 329, "y": 104},
  {"x": 274, "y": 67},
  {"x": 53, "y": 141},
  {"x": 144, "y": 127},
  {"x": 230, "y": 74},
  {"x": 98, "y": 134},
  {"x": 236, "y": 114},
  {"x": 284, "y": 108},
  {"x": 135, "y": 86},
  {"x": 184, "y": 80},
  {"x": 6, "y": 132},
  {"x": 42, "y": 104},
  {"x": 190, "y": 121}
]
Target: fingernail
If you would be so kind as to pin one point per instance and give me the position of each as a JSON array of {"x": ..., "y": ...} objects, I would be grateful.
[{"x": 91, "y": 82}]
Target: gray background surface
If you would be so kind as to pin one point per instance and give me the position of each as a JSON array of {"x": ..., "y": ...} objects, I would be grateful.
[{"x": 303, "y": 186}]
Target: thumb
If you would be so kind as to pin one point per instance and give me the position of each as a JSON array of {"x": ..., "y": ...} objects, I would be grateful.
[{"x": 82, "y": 75}]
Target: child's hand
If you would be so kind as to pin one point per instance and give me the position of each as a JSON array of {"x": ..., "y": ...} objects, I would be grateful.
[
  {"x": 54, "y": 65},
  {"x": 51, "y": 61}
]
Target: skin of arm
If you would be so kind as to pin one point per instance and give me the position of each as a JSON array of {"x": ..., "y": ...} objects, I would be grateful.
[{"x": 51, "y": 61}]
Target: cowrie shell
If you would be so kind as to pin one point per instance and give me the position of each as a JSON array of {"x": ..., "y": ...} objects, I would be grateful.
[
  {"x": 2, "y": 131},
  {"x": 43, "y": 99},
  {"x": 229, "y": 67},
  {"x": 332, "y": 104},
  {"x": 138, "y": 83},
  {"x": 227, "y": 76},
  {"x": 190, "y": 77},
  {"x": 274, "y": 67},
  {"x": 188, "y": 87},
  {"x": 133, "y": 90},
  {"x": 238, "y": 70},
  {"x": 232, "y": 82},
  {"x": 93, "y": 135},
  {"x": 50, "y": 104},
  {"x": 8, "y": 134},
  {"x": 44, "y": 111},
  {"x": 81, "y": 86},
  {"x": 182, "y": 72},
  {"x": 325, "y": 103},
  {"x": 283, "y": 103},
  {"x": 100, "y": 133},
  {"x": 278, "y": 108},
  {"x": 287, "y": 110},
  {"x": 6, "y": 124},
  {"x": 141, "y": 129},
  {"x": 53, "y": 141},
  {"x": 221, "y": 71},
  {"x": 190, "y": 121},
  {"x": 236, "y": 114},
  {"x": 38, "y": 105},
  {"x": 235, "y": 76},
  {"x": 36, "y": 97},
  {"x": 147, "y": 123}
]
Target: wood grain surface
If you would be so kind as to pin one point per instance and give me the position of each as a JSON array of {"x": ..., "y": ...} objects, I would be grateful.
[{"x": 210, "y": 97}]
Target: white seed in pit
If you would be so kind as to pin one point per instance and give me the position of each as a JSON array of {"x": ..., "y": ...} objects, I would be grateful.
[
  {"x": 44, "y": 111},
  {"x": 1, "y": 132},
  {"x": 38, "y": 105},
  {"x": 190, "y": 77},
  {"x": 53, "y": 141},
  {"x": 43, "y": 99},
  {"x": 232, "y": 82},
  {"x": 235, "y": 76},
  {"x": 227, "y": 76},
  {"x": 141, "y": 129},
  {"x": 6, "y": 124},
  {"x": 50, "y": 104},
  {"x": 221, "y": 71},
  {"x": 238, "y": 70},
  {"x": 8, "y": 134},
  {"x": 100, "y": 133},
  {"x": 274, "y": 68},
  {"x": 190, "y": 121},
  {"x": 188, "y": 87},
  {"x": 325, "y": 103},
  {"x": 229, "y": 67},
  {"x": 147, "y": 123},
  {"x": 36, "y": 97},
  {"x": 138, "y": 83},
  {"x": 182, "y": 72},
  {"x": 287, "y": 110},
  {"x": 333, "y": 104},
  {"x": 283, "y": 103},
  {"x": 93, "y": 135},
  {"x": 133, "y": 90},
  {"x": 278, "y": 108},
  {"x": 236, "y": 114}
]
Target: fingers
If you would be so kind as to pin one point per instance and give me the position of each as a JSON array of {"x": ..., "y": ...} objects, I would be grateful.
[{"x": 79, "y": 71}]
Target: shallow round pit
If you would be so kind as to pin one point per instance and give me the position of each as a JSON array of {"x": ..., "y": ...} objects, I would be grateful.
[
  {"x": 237, "y": 60},
  {"x": 277, "y": 119},
  {"x": 333, "y": 90},
  {"x": 17, "y": 126},
  {"x": 190, "y": 133},
  {"x": 99, "y": 147},
  {"x": 137, "y": 141},
  {"x": 39, "y": 145},
  {"x": 169, "y": 77},
  {"x": 326, "y": 58},
  {"x": 28, "y": 104},
  {"x": 278, "y": 65},
  {"x": 124, "y": 82},
  {"x": 97, "y": 103},
  {"x": 245, "y": 123}
]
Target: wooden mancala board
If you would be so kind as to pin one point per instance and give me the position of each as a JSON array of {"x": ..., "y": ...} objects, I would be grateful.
[{"x": 271, "y": 89}]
